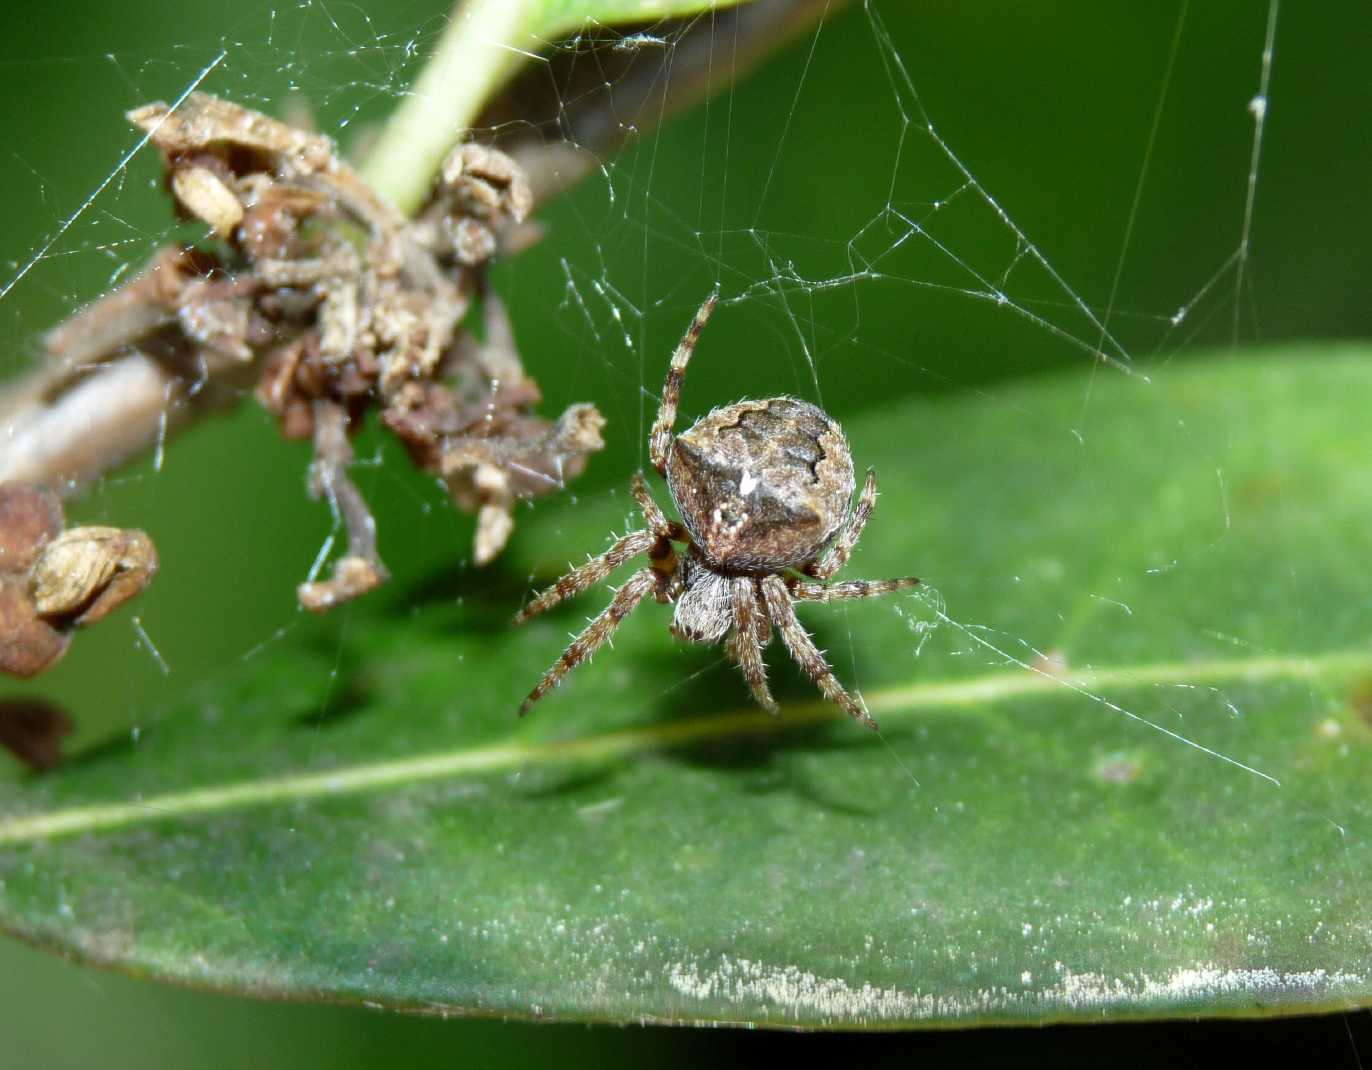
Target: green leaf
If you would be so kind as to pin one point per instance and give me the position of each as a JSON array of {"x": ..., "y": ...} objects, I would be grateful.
[
  {"x": 485, "y": 42},
  {"x": 1167, "y": 816},
  {"x": 559, "y": 17}
]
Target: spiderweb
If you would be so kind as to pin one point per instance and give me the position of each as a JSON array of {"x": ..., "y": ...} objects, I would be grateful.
[{"x": 873, "y": 265}]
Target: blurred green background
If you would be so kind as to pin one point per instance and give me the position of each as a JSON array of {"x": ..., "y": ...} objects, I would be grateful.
[{"x": 802, "y": 174}]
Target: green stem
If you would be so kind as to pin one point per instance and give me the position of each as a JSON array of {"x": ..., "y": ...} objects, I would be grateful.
[{"x": 482, "y": 45}]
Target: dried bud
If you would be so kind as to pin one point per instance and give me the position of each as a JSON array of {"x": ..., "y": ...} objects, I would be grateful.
[
  {"x": 28, "y": 644},
  {"x": 51, "y": 580},
  {"x": 339, "y": 320},
  {"x": 352, "y": 576},
  {"x": 85, "y": 573},
  {"x": 579, "y": 428},
  {"x": 203, "y": 194},
  {"x": 32, "y": 729},
  {"x": 472, "y": 241},
  {"x": 29, "y": 517},
  {"x": 221, "y": 323},
  {"x": 200, "y": 120},
  {"x": 493, "y": 527},
  {"x": 486, "y": 184}
]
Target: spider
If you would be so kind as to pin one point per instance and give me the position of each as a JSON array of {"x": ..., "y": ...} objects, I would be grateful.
[{"x": 764, "y": 489}]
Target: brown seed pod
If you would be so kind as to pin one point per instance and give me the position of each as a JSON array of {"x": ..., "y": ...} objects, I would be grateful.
[
  {"x": 85, "y": 573},
  {"x": 52, "y": 581}
]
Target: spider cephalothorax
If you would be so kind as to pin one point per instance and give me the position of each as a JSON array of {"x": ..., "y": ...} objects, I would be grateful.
[{"x": 763, "y": 489}]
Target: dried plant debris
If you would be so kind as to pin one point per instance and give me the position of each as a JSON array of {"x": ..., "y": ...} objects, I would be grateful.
[
  {"x": 32, "y": 730},
  {"x": 320, "y": 293},
  {"x": 52, "y": 580}
]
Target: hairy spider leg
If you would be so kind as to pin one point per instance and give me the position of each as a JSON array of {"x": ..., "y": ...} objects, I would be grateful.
[
  {"x": 655, "y": 540},
  {"x": 654, "y": 516},
  {"x": 803, "y": 649},
  {"x": 589, "y": 574},
  {"x": 625, "y": 601},
  {"x": 660, "y": 439},
  {"x": 662, "y": 555},
  {"x": 749, "y": 620},
  {"x": 838, "y": 592},
  {"x": 837, "y": 555}
]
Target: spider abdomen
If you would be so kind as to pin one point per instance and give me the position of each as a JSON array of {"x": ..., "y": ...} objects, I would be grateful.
[{"x": 761, "y": 485}]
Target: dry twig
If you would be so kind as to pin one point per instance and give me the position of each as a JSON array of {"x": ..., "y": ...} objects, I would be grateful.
[
  {"x": 329, "y": 302},
  {"x": 335, "y": 304}
]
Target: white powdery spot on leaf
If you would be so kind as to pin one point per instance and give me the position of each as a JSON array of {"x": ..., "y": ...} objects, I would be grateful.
[
  {"x": 1088, "y": 990},
  {"x": 796, "y": 993},
  {"x": 788, "y": 992}
]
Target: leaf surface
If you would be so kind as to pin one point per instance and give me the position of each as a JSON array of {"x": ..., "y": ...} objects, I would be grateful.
[
  {"x": 557, "y": 17},
  {"x": 1123, "y": 767}
]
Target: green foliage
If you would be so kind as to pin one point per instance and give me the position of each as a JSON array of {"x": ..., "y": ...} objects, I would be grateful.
[
  {"x": 485, "y": 43},
  {"x": 365, "y": 820},
  {"x": 557, "y": 18}
]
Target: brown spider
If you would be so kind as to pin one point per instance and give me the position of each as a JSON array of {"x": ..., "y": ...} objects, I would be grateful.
[{"x": 763, "y": 487}]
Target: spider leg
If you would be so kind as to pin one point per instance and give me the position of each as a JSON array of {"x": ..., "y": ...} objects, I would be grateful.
[
  {"x": 660, "y": 439},
  {"x": 663, "y": 555},
  {"x": 837, "y": 555},
  {"x": 626, "y": 599},
  {"x": 591, "y": 573},
  {"x": 803, "y": 649},
  {"x": 836, "y": 592},
  {"x": 657, "y": 520},
  {"x": 744, "y": 644}
]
